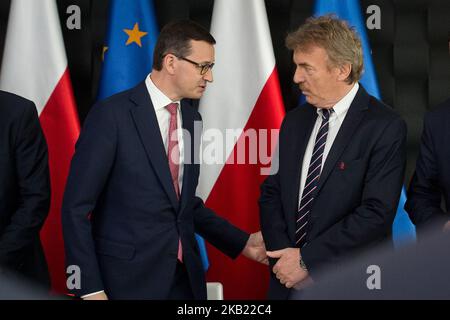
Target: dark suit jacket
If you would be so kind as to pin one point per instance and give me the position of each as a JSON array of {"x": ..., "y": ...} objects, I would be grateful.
[
  {"x": 120, "y": 174},
  {"x": 353, "y": 206},
  {"x": 431, "y": 180},
  {"x": 24, "y": 187}
]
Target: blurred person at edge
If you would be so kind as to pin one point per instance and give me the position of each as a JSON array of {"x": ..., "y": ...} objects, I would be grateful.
[{"x": 24, "y": 190}]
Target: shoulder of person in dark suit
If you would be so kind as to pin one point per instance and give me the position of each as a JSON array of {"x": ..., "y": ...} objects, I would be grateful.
[
  {"x": 428, "y": 184},
  {"x": 377, "y": 108},
  {"x": 25, "y": 185},
  {"x": 13, "y": 106},
  {"x": 438, "y": 115}
]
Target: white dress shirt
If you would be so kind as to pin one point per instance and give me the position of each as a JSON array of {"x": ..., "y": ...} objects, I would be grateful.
[
  {"x": 337, "y": 116},
  {"x": 160, "y": 101}
]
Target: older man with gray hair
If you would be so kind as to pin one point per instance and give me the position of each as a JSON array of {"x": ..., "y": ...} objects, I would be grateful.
[{"x": 341, "y": 162}]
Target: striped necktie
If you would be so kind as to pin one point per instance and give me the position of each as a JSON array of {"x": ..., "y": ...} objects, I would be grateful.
[{"x": 312, "y": 180}]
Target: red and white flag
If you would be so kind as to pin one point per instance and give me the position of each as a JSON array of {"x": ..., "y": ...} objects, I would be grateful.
[
  {"x": 35, "y": 66},
  {"x": 245, "y": 95}
]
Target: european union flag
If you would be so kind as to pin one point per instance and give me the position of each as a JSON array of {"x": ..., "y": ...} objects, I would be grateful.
[
  {"x": 130, "y": 40},
  {"x": 128, "y": 56},
  {"x": 403, "y": 230}
]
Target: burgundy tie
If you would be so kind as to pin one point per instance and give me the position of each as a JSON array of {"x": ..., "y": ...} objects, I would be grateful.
[{"x": 173, "y": 154}]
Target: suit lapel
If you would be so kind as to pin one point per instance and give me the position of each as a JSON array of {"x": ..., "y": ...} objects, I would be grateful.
[
  {"x": 302, "y": 132},
  {"x": 147, "y": 126},
  {"x": 351, "y": 122},
  {"x": 189, "y": 142}
]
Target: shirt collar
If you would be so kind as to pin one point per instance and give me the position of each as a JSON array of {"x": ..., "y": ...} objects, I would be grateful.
[
  {"x": 342, "y": 106},
  {"x": 159, "y": 99}
]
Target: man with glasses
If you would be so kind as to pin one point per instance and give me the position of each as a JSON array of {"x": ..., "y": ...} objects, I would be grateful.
[
  {"x": 130, "y": 213},
  {"x": 203, "y": 67}
]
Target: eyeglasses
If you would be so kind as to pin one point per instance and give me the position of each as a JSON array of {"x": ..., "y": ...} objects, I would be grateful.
[{"x": 204, "y": 67}]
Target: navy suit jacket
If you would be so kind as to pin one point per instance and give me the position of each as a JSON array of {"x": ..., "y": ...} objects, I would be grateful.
[
  {"x": 358, "y": 192},
  {"x": 24, "y": 188},
  {"x": 431, "y": 181},
  {"x": 121, "y": 216}
]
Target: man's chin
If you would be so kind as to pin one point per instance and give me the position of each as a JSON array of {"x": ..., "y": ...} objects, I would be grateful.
[
  {"x": 309, "y": 100},
  {"x": 198, "y": 95},
  {"x": 194, "y": 96}
]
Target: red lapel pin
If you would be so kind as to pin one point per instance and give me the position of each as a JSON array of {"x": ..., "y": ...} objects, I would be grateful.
[{"x": 341, "y": 165}]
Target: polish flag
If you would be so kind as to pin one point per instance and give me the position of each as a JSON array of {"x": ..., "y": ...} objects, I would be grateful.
[
  {"x": 246, "y": 96},
  {"x": 35, "y": 66}
]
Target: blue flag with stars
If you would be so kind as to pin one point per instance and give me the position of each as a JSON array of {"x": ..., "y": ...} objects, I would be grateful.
[
  {"x": 403, "y": 231},
  {"x": 128, "y": 56},
  {"x": 128, "y": 51}
]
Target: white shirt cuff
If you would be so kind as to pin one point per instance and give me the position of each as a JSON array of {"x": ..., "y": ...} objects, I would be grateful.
[{"x": 91, "y": 294}]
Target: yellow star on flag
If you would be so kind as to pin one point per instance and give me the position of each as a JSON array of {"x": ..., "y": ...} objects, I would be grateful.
[
  {"x": 105, "y": 48},
  {"x": 134, "y": 35}
]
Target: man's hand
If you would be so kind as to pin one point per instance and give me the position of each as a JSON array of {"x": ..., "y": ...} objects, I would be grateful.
[
  {"x": 287, "y": 269},
  {"x": 255, "y": 248},
  {"x": 98, "y": 296}
]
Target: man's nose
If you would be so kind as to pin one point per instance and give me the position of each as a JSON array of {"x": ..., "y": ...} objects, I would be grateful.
[
  {"x": 208, "y": 76},
  {"x": 299, "y": 76}
]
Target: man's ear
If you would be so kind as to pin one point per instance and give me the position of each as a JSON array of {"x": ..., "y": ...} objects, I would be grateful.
[
  {"x": 169, "y": 63},
  {"x": 344, "y": 71}
]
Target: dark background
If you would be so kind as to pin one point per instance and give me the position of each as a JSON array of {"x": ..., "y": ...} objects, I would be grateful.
[{"x": 410, "y": 52}]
